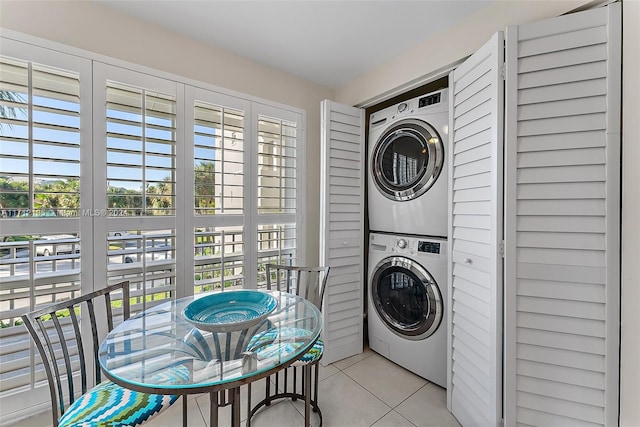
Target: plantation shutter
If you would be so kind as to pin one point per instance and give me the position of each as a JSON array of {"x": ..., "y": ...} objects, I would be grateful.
[
  {"x": 216, "y": 191},
  {"x": 44, "y": 134},
  {"x": 475, "y": 264},
  {"x": 279, "y": 195},
  {"x": 136, "y": 166},
  {"x": 342, "y": 228},
  {"x": 562, "y": 217}
]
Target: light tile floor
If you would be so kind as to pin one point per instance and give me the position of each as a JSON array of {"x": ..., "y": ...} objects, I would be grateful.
[{"x": 365, "y": 390}]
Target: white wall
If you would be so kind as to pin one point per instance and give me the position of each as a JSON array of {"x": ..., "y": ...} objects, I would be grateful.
[
  {"x": 447, "y": 47},
  {"x": 462, "y": 40},
  {"x": 96, "y": 28}
]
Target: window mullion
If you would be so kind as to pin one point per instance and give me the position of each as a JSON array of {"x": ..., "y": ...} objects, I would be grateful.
[
  {"x": 184, "y": 192},
  {"x": 143, "y": 123},
  {"x": 222, "y": 168},
  {"x": 30, "y": 134},
  {"x": 251, "y": 198},
  {"x": 282, "y": 191}
]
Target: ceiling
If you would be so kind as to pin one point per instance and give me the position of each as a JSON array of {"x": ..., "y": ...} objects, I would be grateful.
[{"x": 326, "y": 42}]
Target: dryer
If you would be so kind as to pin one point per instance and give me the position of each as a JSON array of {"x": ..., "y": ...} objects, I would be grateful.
[
  {"x": 407, "y": 292},
  {"x": 407, "y": 178}
]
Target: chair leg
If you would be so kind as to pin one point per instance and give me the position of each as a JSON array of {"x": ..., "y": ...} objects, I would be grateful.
[
  {"x": 307, "y": 394},
  {"x": 267, "y": 389},
  {"x": 184, "y": 410},
  {"x": 285, "y": 381},
  {"x": 315, "y": 386},
  {"x": 213, "y": 409},
  {"x": 235, "y": 406},
  {"x": 248, "y": 423},
  {"x": 295, "y": 382}
]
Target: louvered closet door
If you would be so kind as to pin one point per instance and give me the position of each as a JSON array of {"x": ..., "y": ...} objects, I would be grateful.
[
  {"x": 562, "y": 220},
  {"x": 341, "y": 228},
  {"x": 475, "y": 267}
]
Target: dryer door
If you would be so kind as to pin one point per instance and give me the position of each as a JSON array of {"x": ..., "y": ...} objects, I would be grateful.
[
  {"x": 406, "y": 297},
  {"x": 407, "y": 159}
]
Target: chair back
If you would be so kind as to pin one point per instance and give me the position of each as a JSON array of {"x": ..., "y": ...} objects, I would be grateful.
[
  {"x": 307, "y": 282},
  {"x": 60, "y": 334}
]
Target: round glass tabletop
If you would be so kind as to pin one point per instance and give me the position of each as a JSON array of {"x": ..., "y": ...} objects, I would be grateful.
[{"x": 160, "y": 351}]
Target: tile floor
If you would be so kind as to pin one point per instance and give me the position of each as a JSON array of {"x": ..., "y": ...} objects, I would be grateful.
[{"x": 365, "y": 390}]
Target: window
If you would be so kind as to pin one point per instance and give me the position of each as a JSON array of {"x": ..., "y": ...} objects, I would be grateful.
[
  {"x": 40, "y": 152},
  {"x": 43, "y": 132},
  {"x": 278, "y": 201},
  {"x": 141, "y": 144},
  {"x": 277, "y": 244},
  {"x": 108, "y": 174},
  {"x": 218, "y": 159},
  {"x": 277, "y": 143},
  {"x": 146, "y": 258},
  {"x": 219, "y": 258},
  {"x": 219, "y": 178},
  {"x": 135, "y": 226}
]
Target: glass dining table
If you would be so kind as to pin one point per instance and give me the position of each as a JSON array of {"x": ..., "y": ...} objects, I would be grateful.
[{"x": 158, "y": 351}]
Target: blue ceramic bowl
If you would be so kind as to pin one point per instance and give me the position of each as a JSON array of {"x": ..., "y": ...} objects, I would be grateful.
[{"x": 229, "y": 311}]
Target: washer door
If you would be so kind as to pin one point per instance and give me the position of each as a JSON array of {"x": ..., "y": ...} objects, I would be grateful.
[
  {"x": 407, "y": 160},
  {"x": 406, "y": 297}
]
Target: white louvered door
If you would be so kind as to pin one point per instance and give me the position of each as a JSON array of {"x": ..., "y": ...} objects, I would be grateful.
[
  {"x": 562, "y": 220},
  {"x": 342, "y": 228},
  {"x": 474, "y": 383}
]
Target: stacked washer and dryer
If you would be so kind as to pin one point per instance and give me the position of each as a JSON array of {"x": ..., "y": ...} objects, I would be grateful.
[{"x": 407, "y": 197}]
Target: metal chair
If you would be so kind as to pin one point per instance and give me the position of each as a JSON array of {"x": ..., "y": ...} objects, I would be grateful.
[
  {"x": 309, "y": 283},
  {"x": 68, "y": 362}
]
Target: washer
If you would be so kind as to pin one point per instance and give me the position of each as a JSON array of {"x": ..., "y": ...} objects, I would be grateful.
[
  {"x": 406, "y": 303},
  {"x": 407, "y": 167}
]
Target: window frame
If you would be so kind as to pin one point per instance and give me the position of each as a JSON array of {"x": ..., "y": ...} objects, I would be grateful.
[
  {"x": 26, "y": 402},
  {"x": 95, "y": 70}
]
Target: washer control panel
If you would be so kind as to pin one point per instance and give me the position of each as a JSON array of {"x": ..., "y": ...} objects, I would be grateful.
[
  {"x": 407, "y": 245},
  {"x": 429, "y": 247},
  {"x": 434, "y": 102}
]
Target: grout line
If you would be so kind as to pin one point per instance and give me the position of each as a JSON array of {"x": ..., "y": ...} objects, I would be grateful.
[
  {"x": 329, "y": 376},
  {"x": 409, "y": 397},
  {"x": 202, "y": 415},
  {"x": 397, "y": 413},
  {"x": 387, "y": 413},
  {"x": 370, "y": 353},
  {"x": 392, "y": 407},
  {"x": 404, "y": 418}
]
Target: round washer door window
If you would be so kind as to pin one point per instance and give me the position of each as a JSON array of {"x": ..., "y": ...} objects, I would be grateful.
[
  {"x": 407, "y": 160},
  {"x": 406, "y": 297}
]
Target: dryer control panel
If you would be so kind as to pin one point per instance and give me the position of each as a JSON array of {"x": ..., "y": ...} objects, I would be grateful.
[
  {"x": 429, "y": 247},
  {"x": 429, "y": 100}
]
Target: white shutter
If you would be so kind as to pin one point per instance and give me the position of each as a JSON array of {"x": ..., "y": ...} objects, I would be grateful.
[
  {"x": 135, "y": 170},
  {"x": 279, "y": 197},
  {"x": 342, "y": 228},
  {"x": 217, "y": 140},
  {"x": 474, "y": 382},
  {"x": 45, "y": 134},
  {"x": 562, "y": 220}
]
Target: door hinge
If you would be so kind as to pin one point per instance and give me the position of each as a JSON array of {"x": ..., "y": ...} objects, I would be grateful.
[
  {"x": 501, "y": 249},
  {"x": 503, "y": 71}
]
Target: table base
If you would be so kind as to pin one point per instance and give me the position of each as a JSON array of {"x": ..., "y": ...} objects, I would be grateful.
[{"x": 218, "y": 399}]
